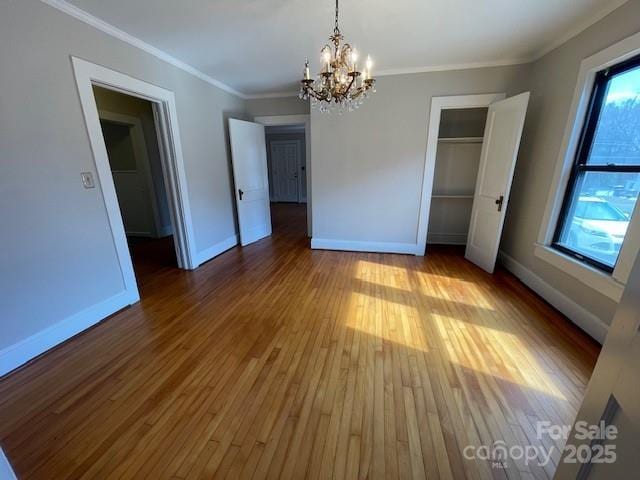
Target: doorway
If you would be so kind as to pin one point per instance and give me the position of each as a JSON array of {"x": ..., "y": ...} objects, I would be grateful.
[
  {"x": 286, "y": 166},
  {"x": 288, "y": 128},
  {"x": 472, "y": 146},
  {"x": 88, "y": 75},
  {"x": 272, "y": 175},
  {"x": 130, "y": 136}
]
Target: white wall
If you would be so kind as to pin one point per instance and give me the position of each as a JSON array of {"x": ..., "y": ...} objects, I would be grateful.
[
  {"x": 277, "y": 106},
  {"x": 368, "y": 165},
  {"x": 57, "y": 257},
  {"x": 552, "y": 83}
]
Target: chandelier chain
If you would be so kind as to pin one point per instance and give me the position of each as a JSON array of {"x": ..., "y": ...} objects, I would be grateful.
[{"x": 336, "y": 29}]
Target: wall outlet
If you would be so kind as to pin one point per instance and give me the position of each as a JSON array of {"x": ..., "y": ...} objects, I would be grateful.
[{"x": 87, "y": 180}]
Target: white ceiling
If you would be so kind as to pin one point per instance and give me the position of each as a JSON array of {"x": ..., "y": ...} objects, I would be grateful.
[{"x": 259, "y": 46}]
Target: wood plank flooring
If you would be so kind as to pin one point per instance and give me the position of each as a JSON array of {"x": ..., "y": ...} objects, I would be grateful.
[{"x": 275, "y": 361}]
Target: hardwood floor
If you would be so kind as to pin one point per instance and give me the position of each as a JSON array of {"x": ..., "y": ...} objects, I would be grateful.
[
  {"x": 151, "y": 256},
  {"x": 276, "y": 361}
]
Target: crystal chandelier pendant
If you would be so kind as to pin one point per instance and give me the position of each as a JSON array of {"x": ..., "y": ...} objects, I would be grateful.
[{"x": 339, "y": 86}]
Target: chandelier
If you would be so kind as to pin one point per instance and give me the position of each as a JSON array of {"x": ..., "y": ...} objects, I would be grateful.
[{"x": 339, "y": 85}]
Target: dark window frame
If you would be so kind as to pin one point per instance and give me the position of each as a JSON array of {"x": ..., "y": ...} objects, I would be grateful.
[{"x": 585, "y": 144}]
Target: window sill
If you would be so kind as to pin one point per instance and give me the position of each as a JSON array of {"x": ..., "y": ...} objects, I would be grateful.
[{"x": 590, "y": 276}]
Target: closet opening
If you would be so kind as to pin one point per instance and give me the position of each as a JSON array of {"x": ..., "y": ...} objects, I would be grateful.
[
  {"x": 472, "y": 147},
  {"x": 458, "y": 152}
]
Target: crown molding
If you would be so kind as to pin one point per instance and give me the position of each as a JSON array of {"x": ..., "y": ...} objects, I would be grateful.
[
  {"x": 450, "y": 67},
  {"x": 407, "y": 71},
  {"x": 115, "y": 32},
  {"x": 259, "y": 96}
]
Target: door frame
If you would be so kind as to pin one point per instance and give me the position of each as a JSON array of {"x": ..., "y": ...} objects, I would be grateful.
[
  {"x": 142, "y": 156},
  {"x": 438, "y": 104},
  {"x": 298, "y": 165},
  {"x": 87, "y": 75},
  {"x": 305, "y": 119}
]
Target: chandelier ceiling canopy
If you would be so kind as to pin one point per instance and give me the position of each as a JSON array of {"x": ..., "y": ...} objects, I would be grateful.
[{"x": 339, "y": 85}]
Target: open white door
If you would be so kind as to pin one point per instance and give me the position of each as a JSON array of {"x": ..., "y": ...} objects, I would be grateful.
[
  {"x": 249, "y": 158},
  {"x": 502, "y": 133}
]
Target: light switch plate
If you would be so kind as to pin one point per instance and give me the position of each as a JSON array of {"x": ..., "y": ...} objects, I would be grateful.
[{"x": 87, "y": 180}]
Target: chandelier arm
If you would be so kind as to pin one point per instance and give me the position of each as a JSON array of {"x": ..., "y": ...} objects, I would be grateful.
[
  {"x": 323, "y": 95},
  {"x": 353, "y": 79}
]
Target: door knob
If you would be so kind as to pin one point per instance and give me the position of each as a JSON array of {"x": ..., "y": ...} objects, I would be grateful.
[
  {"x": 499, "y": 202},
  {"x": 240, "y": 193}
]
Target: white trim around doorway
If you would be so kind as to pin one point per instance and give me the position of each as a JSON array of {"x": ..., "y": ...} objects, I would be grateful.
[
  {"x": 438, "y": 104},
  {"x": 87, "y": 75}
]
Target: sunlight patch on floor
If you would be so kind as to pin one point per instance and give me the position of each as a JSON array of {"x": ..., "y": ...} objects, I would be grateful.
[
  {"x": 386, "y": 320},
  {"x": 484, "y": 349},
  {"x": 451, "y": 289},
  {"x": 381, "y": 274}
]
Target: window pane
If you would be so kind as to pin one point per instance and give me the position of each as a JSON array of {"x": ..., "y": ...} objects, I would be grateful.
[
  {"x": 598, "y": 214},
  {"x": 617, "y": 137}
]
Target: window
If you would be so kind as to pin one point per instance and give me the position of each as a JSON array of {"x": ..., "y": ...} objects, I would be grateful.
[{"x": 605, "y": 179}]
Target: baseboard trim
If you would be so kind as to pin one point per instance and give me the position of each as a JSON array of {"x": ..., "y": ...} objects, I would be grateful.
[
  {"x": 447, "y": 238},
  {"x": 584, "y": 319},
  {"x": 6, "y": 471},
  {"x": 217, "y": 249},
  {"x": 165, "y": 231},
  {"x": 356, "y": 246},
  {"x": 133, "y": 233},
  {"x": 20, "y": 353}
]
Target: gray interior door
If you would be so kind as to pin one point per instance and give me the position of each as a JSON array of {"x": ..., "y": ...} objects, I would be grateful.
[{"x": 285, "y": 162}]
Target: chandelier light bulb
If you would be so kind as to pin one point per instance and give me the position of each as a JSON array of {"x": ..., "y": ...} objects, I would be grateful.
[
  {"x": 307, "y": 74},
  {"x": 369, "y": 63},
  {"x": 326, "y": 55},
  {"x": 354, "y": 60}
]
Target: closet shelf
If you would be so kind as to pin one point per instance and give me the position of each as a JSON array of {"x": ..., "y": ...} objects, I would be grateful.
[{"x": 460, "y": 139}]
